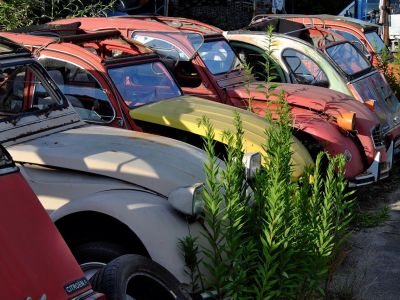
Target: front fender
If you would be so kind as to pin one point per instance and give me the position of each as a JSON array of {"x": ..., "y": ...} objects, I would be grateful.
[
  {"x": 149, "y": 216},
  {"x": 332, "y": 140}
]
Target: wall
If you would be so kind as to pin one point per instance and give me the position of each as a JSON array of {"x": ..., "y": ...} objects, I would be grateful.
[{"x": 226, "y": 14}]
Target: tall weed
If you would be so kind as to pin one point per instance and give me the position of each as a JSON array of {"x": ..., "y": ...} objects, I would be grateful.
[
  {"x": 269, "y": 238},
  {"x": 21, "y": 13}
]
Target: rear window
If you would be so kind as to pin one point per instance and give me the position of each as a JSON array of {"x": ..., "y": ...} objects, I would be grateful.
[{"x": 347, "y": 58}]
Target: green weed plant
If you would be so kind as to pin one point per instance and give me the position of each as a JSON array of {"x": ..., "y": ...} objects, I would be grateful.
[
  {"x": 268, "y": 238},
  {"x": 22, "y": 13}
]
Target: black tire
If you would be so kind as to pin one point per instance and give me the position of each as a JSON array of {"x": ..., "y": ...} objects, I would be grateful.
[
  {"x": 99, "y": 251},
  {"x": 138, "y": 277}
]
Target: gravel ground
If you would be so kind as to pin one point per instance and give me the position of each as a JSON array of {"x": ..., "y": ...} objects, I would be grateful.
[{"x": 371, "y": 269}]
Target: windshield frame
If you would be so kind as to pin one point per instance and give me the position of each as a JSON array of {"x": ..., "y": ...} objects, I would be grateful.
[
  {"x": 356, "y": 74},
  {"x": 141, "y": 62},
  {"x": 46, "y": 80}
]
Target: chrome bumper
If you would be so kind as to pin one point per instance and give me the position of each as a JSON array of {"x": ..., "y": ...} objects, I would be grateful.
[
  {"x": 386, "y": 166},
  {"x": 377, "y": 170}
]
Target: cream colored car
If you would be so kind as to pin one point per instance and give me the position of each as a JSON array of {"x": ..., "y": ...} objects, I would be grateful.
[{"x": 109, "y": 191}]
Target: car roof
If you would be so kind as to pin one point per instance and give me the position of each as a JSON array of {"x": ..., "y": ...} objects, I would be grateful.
[
  {"x": 74, "y": 45},
  {"x": 118, "y": 23},
  {"x": 151, "y": 23},
  {"x": 10, "y": 49},
  {"x": 323, "y": 19}
]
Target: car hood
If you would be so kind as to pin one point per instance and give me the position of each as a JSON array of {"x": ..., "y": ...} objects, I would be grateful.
[
  {"x": 185, "y": 112},
  {"x": 153, "y": 162},
  {"x": 321, "y": 100}
]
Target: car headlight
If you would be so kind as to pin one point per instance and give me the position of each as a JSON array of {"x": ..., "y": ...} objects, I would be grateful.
[
  {"x": 252, "y": 163},
  {"x": 347, "y": 120},
  {"x": 188, "y": 200}
]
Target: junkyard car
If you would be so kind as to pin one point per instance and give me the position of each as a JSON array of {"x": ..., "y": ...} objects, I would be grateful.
[
  {"x": 35, "y": 261},
  {"x": 342, "y": 68},
  {"x": 214, "y": 72},
  {"x": 112, "y": 82},
  {"x": 364, "y": 34},
  {"x": 109, "y": 191},
  {"x": 37, "y": 264}
]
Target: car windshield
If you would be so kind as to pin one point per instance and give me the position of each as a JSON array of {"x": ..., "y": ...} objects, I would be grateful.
[
  {"x": 174, "y": 45},
  {"x": 219, "y": 57},
  {"x": 375, "y": 40},
  {"x": 144, "y": 83},
  {"x": 347, "y": 58}
]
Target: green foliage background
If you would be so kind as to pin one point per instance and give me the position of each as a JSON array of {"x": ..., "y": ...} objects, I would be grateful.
[{"x": 21, "y": 13}]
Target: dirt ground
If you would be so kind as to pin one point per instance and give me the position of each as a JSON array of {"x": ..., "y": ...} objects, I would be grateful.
[{"x": 371, "y": 269}]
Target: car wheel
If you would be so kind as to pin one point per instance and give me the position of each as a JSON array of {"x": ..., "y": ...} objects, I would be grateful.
[
  {"x": 137, "y": 277},
  {"x": 93, "y": 256}
]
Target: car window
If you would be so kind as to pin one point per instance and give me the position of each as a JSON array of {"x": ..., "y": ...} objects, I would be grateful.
[
  {"x": 257, "y": 63},
  {"x": 376, "y": 42},
  {"x": 356, "y": 41},
  {"x": 347, "y": 58},
  {"x": 5, "y": 160},
  {"x": 12, "y": 89},
  {"x": 81, "y": 89},
  {"x": 303, "y": 69},
  {"x": 14, "y": 86},
  {"x": 143, "y": 83},
  {"x": 219, "y": 57}
]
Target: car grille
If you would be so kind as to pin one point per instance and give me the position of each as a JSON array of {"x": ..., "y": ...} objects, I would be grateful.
[{"x": 377, "y": 137}]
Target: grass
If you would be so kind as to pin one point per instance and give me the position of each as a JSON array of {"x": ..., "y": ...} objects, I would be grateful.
[{"x": 369, "y": 219}]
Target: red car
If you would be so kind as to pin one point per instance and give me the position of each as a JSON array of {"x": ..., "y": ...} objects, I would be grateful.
[
  {"x": 214, "y": 72},
  {"x": 35, "y": 261}
]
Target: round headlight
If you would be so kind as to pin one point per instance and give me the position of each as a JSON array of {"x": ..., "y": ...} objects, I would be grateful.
[
  {"x": 188, "y": 200},
  {"x": 252, "y": 163}
]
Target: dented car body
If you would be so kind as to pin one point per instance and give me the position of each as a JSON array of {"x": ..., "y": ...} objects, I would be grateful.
[{"x": 214, "y": 72}]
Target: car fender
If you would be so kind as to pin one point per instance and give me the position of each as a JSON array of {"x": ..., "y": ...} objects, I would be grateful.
[
  {"x": 148, "y": 215},
  {"x": 334, "y": 142}
]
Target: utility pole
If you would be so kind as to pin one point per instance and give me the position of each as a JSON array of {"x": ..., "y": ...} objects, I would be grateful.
[{"x": 385, "y": 19}]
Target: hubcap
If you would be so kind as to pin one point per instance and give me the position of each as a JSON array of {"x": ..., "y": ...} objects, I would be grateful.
[{"x": 90, "y": 268}]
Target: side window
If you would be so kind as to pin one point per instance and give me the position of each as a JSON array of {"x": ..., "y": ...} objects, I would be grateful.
[
  {"x": 12, "y": 89},
  {"x": 81, "y": 89},
  {"x": 304, "y": 70},
  {"x": 257, "y": 62}
]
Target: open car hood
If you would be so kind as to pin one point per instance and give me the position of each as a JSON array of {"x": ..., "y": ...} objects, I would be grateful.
[
  {"x": 185, "y": 112},
  {"x": 153, "y": 162}
]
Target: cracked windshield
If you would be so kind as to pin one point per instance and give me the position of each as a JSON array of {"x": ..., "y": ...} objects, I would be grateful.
[{"x": 144, "y": 83}]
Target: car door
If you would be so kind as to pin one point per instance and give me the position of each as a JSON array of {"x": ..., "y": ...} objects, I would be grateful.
[{"x": 86, "y": 90}]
